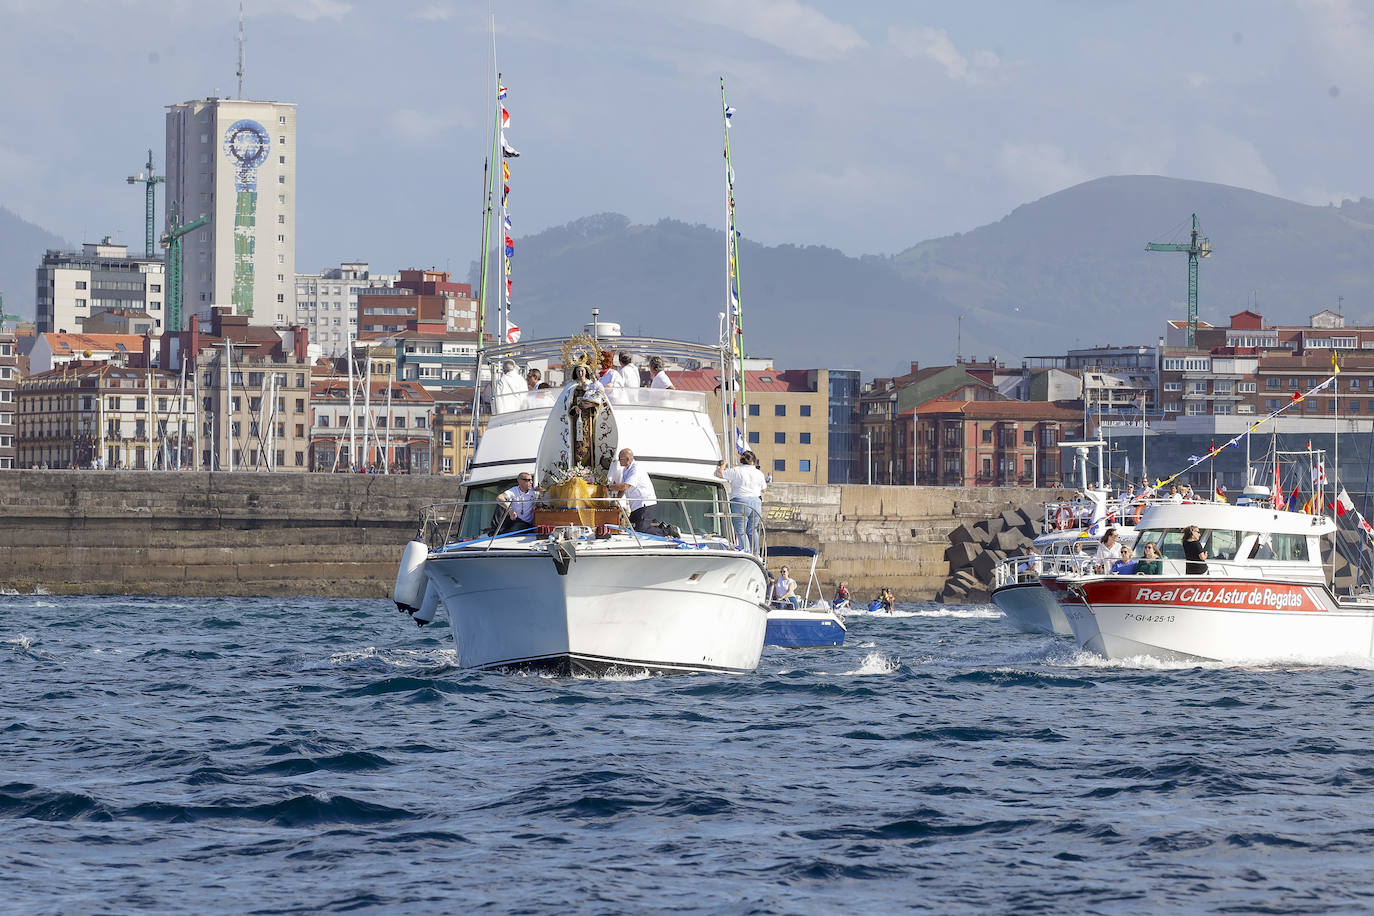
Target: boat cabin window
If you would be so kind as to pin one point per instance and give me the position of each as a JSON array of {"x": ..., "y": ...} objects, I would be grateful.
[
  {"x": 1219, "y": 543},
  {"x": 1284, "y": 547},
  {"x": 692, "y": 505},
  {"x": 480, "y": 512}
]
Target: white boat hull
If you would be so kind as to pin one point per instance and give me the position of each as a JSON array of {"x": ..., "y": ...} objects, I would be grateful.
[
  {"x": 669, "y": 611},
  {"x": 1222, "y": 620},
  {"x": 1031, "y": 608}
]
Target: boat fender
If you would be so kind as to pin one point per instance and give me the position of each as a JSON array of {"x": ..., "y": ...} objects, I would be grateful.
[
  {"x": 410, "y": 577},
  {"x": 427, "y": 609}
]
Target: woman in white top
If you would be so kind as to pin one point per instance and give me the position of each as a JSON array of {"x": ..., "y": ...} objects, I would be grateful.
[
  {"x": 1108, "y": 549},
  {"x": 747, "y": 484},
  {"x": 660, "y": 379}
]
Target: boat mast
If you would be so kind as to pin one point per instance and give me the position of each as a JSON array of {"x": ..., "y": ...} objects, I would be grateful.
[
  {"x": 488, "y": 174},
  {"x": 740, "y": 402}
]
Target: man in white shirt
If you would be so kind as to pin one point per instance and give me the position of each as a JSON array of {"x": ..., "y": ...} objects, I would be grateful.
[
  {"x": 784, "y": 590},
  {"x": 509, "y": 392},
  {"x": 630, "y": 480},
  {"x": 518, "y": 502},
  {"x": 629, "y": 372}
]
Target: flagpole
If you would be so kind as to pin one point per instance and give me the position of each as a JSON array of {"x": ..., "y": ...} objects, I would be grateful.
[{"x": 741, "y": 431}]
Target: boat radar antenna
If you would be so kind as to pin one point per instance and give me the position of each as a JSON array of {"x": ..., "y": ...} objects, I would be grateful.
[{"x": 239, "y": 72}]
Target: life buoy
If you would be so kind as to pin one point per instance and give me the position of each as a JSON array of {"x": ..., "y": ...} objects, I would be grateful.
[
  {"x": 1063, "y": 517},
  {"x": 1139, "y": 507}
]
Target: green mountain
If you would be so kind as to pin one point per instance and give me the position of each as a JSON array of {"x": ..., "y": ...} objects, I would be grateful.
[
  {"x": 21, "y": 251},
  {"x": 1065, "y": 271}
]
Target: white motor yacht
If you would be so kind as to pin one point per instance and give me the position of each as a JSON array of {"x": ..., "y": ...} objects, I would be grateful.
[
  {"x": 579, "y": 590},
  {"x": 1264, "y": 593}
]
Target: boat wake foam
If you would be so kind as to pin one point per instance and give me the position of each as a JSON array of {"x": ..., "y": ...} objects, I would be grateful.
[{"x": 875, "y": 663}]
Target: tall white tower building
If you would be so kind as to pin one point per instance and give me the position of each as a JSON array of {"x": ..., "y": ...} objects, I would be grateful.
[{"x": 235, "y": 162}]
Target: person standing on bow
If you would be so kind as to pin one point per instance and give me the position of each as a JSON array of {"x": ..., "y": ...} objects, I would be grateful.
[
  {"x": 747, "y": 484},
  {"x": 631, "y": 481}
]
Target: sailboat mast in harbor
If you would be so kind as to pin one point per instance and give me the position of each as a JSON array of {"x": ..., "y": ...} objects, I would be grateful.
[{"x": 734, "y": 372}]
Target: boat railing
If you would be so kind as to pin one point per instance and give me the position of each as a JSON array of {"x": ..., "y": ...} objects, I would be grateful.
[
  {"x": 544, "y": 399},
  {"x": 442, "y": 525}
]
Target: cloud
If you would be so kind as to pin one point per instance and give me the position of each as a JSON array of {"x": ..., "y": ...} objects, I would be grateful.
[
  {"x": 788, "y": 25},
  {"x": 314, "y": 10},
  {"x": 926, "y": 43},
  {"x": 414, "y": 126},
  {"x": 435, "y": 12},
  {"x": 1038, "y": 169},
  {"x": 1220, "y": 156}
]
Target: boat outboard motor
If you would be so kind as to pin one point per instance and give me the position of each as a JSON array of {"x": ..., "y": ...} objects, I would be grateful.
[{"x": 411, "y": 581}]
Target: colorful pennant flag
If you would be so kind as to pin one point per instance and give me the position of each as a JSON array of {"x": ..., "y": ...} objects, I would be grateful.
[
  {"x": 500, "y": 92},
  {"x": 1343, "y": 503},
  {"x": 513, "y": 334},
  {"x": 1219, "y": 494}
]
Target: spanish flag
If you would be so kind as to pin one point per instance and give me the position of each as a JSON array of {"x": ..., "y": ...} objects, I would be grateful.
[{"x": 1220, "y": 494}]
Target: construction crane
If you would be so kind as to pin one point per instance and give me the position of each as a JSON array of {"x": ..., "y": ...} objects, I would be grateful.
[
  {"x": 1198, "y": 247},
  {"x": 3, "y": 317},
  {"x": 171, "y": 240},
  {"x": 150, "y": 200}
]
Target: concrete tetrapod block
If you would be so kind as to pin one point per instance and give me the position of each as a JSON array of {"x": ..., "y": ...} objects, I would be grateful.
[
  {"x": 985, "y": 563},
  {"x": 1012, "y": 518},
  {"x": 961, "y": 555},
  {"x": 1010, "y": 541},
  {"x": 961, "y": 535}
]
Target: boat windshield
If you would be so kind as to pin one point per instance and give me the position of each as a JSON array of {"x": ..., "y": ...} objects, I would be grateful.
[
  {"x": 1219, "y": 543},
  {"x": 694, "y": 506}
]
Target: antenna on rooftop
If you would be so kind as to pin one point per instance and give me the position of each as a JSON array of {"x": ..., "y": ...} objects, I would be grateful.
[{"x": 240, "y": 70}]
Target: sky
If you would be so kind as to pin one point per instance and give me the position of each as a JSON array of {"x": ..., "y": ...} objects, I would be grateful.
[{"x": 864, "y": 125}]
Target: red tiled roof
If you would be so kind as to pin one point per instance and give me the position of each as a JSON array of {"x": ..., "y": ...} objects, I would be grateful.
[{"x": 784, "y": 381}]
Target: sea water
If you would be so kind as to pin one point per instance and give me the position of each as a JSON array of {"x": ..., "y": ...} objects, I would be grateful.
[{"x": 322, "y": 755}]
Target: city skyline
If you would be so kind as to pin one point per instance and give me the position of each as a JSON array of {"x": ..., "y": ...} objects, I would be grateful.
[{"x": 867, "y": 129}]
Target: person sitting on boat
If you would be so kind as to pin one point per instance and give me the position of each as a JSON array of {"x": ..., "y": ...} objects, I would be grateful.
[
  {"x": 1193, "y": 552},
  {"x": 841, "y": 601},
  {"x": 784, "y": 593},
  {"x": 518, "y": 503},
  {"x": 660, "y": 376},
  {"x": 630, "y": 480},
  {"x": 1151, "y": 563},
  {"x": 1125, "y": 566},
  {"x": 747, "y": 484},
  {"x": 1174, "y": 495},
  {"x": 886, "y": 600},
  {"x": 1029, "y": 565},
  {"x": 509, "y": 392}
]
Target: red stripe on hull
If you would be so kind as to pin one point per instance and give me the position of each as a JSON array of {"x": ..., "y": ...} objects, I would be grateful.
[{"x": 1225, "y": 594}]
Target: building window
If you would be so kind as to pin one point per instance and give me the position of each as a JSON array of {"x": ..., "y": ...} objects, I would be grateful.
[
  {"x": 779, "y": 438},
  {"x": 804, "y": 438},
  {"x": 281, "y": 297},
  {"x": 753, "y": 410},
  {"x": 754, "y": 438},
  {"x": 1354, "y": 384},
  {"x": 779, "y": 464},
  {"x": 281, "y": 160},
  {"x": 1354, "y": 406},
  {"x": 804, "y": 464},
  {"x": 281, "y": 119},
  {"x": 1273, "y": 383},
  {"x": 987, "y": 436},
  {"x": 281, "y": 218},
  {"x": 779, "y": 410},
  {"x": 806, "y": 412},
  {"x": 281, "y": 179}
]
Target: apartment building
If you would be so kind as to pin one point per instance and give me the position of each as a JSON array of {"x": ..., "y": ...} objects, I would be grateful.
[{"x": 74, "y": 286}]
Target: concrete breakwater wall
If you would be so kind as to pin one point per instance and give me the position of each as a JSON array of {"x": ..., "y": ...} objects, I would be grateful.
[{"x": 187, "y": 533}]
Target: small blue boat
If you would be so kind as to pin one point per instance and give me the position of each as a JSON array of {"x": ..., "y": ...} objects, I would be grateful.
[{"x": 815, "y": 623}]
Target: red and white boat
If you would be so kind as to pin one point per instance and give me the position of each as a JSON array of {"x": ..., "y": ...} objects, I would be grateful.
[{"x": 1265, "y": 593}]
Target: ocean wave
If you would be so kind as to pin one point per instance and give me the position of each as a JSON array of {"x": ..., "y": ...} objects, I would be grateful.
[{"x": 875, "y": 663}]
